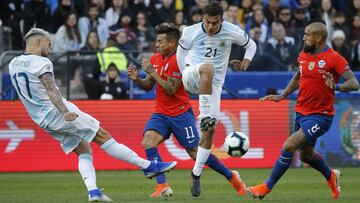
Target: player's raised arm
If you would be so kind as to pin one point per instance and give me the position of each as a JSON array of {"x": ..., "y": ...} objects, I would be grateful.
[{"x": 146, "y": 84}]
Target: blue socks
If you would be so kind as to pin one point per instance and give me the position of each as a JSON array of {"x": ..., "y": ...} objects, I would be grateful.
[
  {"x": 319, "y": 164},
  {"x": 152, "y": 154},
  {"x": 214, "y": 163},
  {"x": 281, "y": 166}
]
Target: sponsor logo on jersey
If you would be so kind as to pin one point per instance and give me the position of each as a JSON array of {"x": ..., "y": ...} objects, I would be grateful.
[
  {"x": 166, "y": 67},
  {"x": 202, "y": 43},
  {"x": 321, "y": 64},
  {"x": 311, "y": 65}
]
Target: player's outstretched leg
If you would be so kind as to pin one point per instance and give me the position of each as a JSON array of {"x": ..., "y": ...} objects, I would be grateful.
[
  {"x": 233, "y": 176},
  {"x": 315, "y": 160},
  {"x": 162, "y": 188},
  {"x": 123, "y": 153}
]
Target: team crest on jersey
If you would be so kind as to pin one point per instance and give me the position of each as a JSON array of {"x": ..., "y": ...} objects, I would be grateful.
[
  {"x": 321, "y": 64},
  {"x": 222, "y": 44},
  {"x": 311, "y": 65}
]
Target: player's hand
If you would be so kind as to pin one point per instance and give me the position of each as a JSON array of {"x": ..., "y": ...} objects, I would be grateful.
[
  {"x": 70, "y": 116},
  {"x": 240, "y": 65},
  {"x": 147, "y": 66},
  {"x": 132, "y": 72},
  {"x": 272, "y": 97},
  {"x": 329, "y": 80}
]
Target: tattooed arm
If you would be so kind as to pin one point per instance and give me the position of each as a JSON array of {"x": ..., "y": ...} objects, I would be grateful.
[
  {"x": 170, "y": 85},
  {"x": 54, "y": 94},
  {"x": 146, "y": 84}
]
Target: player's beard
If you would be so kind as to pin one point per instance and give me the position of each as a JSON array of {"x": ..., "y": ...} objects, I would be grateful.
[{"x": 309, "y": 48}]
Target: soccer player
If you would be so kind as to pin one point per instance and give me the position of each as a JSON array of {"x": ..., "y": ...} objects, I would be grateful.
[
  {"x": 173, "y": 113},
  {"x": 33, "y": 78},
  {"x": 320, "y": 68},
  {"x": 203, "y": 56}
]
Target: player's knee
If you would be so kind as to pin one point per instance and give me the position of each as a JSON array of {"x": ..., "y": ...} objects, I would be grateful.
[
  {"x": 148, "y": 141},
  {"x": 289, "y": 147},
  {"x": 304, "y": 157},
  {"x": 206, "y": 70},
  {"x": 192, "y": 153}
]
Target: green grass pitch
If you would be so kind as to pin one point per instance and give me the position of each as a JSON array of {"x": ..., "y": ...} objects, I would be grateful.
[{"x": 297, "y": 185}]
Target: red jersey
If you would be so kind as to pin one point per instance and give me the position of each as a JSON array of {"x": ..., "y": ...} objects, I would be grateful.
[
  {"x": 315, "y": 97},
  {"x": 177, "y": 103}
]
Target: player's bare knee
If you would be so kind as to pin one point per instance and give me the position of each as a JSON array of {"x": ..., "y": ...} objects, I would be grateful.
[
  {"x": 150, "y": 140},
  {"x": 206, "y": 70},
  {"x": 101, "y": 136}
]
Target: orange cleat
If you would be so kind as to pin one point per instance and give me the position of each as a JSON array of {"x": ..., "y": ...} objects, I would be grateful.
[
  {"x": 162, "y": 190},
  {"x": 258, "y": 191},
  {"x": 237, "y": 183},
  {"x": 333, "y": 183}
]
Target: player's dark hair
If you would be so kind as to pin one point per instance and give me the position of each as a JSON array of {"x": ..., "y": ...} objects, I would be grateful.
[
  {"x": 213, "y": 9},
  {"x": 172, "y": 32}
]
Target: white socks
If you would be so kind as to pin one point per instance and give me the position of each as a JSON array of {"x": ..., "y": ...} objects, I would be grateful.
[
  {"x": 201, "y": 157},
  {"x": 87, "y": 171},
  {"x": 204, "y": 105},
  {"x": 123, "y": 153}
]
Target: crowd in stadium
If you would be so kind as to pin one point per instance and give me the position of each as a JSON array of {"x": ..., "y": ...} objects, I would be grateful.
[{"x": 277, "y": 26}]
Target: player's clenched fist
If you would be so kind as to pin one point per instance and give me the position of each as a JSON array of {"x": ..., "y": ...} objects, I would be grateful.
[
  {"x": 70, "y": 116},
  {"x": 240, "y": 65}
]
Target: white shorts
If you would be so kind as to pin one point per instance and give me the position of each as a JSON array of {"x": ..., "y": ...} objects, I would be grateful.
[
  {"x": 70, "y": 133},
  {"x": 191, "y": 81}
]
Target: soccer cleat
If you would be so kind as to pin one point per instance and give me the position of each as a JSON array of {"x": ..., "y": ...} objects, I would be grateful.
[
  {"x": 98, "y": 196},
  {"x": 162, "y": 190},
  {"x": 333, "y": 183},
  {"x": 157, "y": 167},
  {"x": 195, "y": 185},
  {"x": 237, "y": 183},
  {"x": 258, "y": 191},
  {"x": 207, "y": 123}
]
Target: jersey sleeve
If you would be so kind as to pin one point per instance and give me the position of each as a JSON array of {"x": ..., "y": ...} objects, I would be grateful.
[
  {"x": 340, "y": 65},
  {"x": 185, "y": 40},
  {"x": 45, "y": 67},
  {"x": 174, "y": 70},
  {"x": 240, "y": 37}
]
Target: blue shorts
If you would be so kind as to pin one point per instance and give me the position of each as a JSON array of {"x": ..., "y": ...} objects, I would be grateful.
[
  {"x": 182, "y": 126},
  {"x": 314, "y": 126}
]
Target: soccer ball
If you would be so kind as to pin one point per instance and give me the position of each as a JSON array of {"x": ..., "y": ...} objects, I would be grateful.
[{"x": 236, "y": 144}]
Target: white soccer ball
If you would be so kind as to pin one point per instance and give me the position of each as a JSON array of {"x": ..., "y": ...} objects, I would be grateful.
[{"x": 236, "y": 144}]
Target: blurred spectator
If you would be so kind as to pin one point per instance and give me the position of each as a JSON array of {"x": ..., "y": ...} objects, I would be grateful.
[
  {"x": 327, "y": 13},
  {"x": 195, "y": 17},
  {"x": 196, "y": 9},
  {"x": 284, "y": 17},
  {"x": 36, "y": 14},
  {"x": 339, "y": 45},
  {"x": 92, "y": 42},
  {"x": 166, "y": 10},
  {"x": 310, "y": 11},
  {"x": 62, "y": 10},
  {"x": 225, "y": 5},
  {"x": 101, "y": 6},
  {"x": 355, "y": 30},
  {"x": 148, "y": 7},
  {"x": 110, "y": 55},
  {"x": 122, "y": 41},
  {"x": 10, "y": 15},
  {"x": 354, "y": 10},
  {"x": 281, "y": 46},
  {"x": 94, "y": 22},
  {"x": 145, "y": 34},
  {"x": 125, "y": 23},
  {"x": 263, "y": 60},
  {"x": 112, "y": 14},
  {"x": 245, "y": 11},
  {"x": 299, "y": 21},
  {"x": 178, "y": 18},
  {"x": 271, "y": 10},
  {"x": 231, "y": 15},
  {"x": 355, "y": 58},
  {"x": 68, "y": 37},
  {"x": 112, "y": 87},
  {"x": 339, "y": 23},
  {"x": 259, "y": 20}
]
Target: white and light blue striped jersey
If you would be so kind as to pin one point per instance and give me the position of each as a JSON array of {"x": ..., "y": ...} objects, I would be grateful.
[
  {"x": 215, "y": 49},
  {"x": 25, "y": 71}
]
